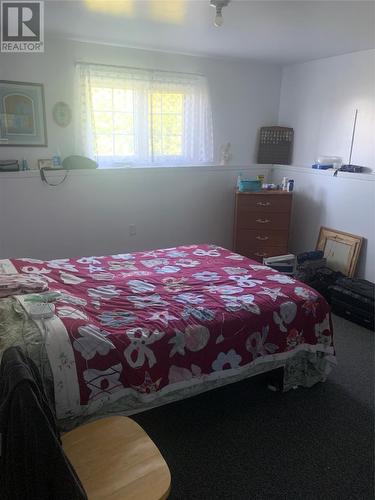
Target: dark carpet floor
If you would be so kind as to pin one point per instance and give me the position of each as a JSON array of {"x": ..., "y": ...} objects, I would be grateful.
[{"x": 245, "y": 442}]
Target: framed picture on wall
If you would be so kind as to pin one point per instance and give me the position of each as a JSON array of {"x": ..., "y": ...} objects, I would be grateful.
[{"x": 22, "y": 114}]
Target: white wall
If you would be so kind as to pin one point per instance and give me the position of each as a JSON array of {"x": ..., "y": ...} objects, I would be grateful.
[
  {"x": 345, "y": 203},
  {"x": 90, "y": 213},
  {"x": 245, "y": 95},
  {"x": 319, "y": 99}
]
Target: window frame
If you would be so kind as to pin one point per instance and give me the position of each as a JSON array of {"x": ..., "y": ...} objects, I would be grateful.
[{"x": 143, "y": 133}]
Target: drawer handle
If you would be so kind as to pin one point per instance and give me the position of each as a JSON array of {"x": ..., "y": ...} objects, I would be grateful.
[
  {"x": 264, "y": 204},
  {"x": 263, "y": 221},
  {"x": 262, "y": 238},
  {"x": 260, "y": 254}
]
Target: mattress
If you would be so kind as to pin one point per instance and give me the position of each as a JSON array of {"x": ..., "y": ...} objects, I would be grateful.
[{"x": 135, "y": 330}]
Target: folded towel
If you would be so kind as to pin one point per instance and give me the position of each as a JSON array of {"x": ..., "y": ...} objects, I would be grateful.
[{"x": 17, "y": 284}]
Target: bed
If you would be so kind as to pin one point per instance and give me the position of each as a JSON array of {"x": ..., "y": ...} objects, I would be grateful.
[{"x": 136, "y": 330}]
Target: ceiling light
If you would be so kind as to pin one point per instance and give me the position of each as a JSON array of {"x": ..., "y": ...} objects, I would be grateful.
[{"x": 218, "y": 5}]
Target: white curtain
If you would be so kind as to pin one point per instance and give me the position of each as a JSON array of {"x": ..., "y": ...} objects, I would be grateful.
[{"x": 155, "y": 136}]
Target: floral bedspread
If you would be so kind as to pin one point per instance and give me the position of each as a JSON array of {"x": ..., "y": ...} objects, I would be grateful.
[{"x": 151, "y": 322}]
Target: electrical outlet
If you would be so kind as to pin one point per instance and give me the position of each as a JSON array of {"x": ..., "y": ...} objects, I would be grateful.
[{"x": 132, "y": 230}]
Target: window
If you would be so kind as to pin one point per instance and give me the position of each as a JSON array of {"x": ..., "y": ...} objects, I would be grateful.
[
  {"x": 113, "y": 121},
  {"x": 166, "y": 123},
  {"x": 144, "y": 117}
]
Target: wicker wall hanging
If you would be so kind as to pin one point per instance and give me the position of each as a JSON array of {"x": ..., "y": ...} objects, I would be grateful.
[{"x": 275, "y": 145}]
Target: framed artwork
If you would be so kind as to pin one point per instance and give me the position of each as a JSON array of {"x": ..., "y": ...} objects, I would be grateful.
[
  {"x": 45, "y": 163},
  {"x": 22, "y": 114},
  {"x": 340, "y": 249}
]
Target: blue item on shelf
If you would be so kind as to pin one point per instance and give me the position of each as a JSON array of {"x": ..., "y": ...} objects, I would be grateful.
[
  {"x": 245, "y": 185},
  {"x": 322, "y": 166},
  {"x": 56, "y": 160}
]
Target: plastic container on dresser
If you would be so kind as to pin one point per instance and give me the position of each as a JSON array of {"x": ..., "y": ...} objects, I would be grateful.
[{"x": 261, "y": 223}]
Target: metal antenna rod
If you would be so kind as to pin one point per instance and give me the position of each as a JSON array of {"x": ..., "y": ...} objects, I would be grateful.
[{"x": 353, "y": 134}]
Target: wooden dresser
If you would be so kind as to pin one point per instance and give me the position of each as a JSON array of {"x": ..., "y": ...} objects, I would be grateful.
[{"x": 261, "y": 223}]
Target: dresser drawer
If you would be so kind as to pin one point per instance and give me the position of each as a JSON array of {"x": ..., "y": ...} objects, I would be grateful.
[
  {"x": 255, "y": 239},
  {"x": 259, "y": 255},
  {"x": 264, "y": 203},
  {"x": 262, "y": 221}
]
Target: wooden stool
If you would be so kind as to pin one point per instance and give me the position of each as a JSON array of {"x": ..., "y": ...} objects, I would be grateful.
[{"x": 116, "y": 460}]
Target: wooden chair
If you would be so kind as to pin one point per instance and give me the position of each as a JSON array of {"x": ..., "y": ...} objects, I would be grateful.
[{"x": 116, "y": 460}]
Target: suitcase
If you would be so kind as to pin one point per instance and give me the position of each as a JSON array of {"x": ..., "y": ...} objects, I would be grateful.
[
  {"x": 320, "y": 279},
  {"x": 354, "y": 299}
]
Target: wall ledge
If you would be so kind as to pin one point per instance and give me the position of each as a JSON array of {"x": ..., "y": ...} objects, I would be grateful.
[{"x": 299, "y": 169}]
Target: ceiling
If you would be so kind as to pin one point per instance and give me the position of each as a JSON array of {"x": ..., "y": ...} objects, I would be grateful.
[{"x": 270, "y": 30}]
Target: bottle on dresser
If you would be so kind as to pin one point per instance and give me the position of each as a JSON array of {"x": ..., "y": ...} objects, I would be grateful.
[{"x": 284, "y": 184}]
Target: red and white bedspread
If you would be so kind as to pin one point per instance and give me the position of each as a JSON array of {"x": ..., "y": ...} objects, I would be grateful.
[{"x": 146, "y": 324}]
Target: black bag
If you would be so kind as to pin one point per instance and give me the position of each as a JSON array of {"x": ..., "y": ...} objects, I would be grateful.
[
  {"x": 320, "y": 279},
  {"x": 354, "y": 299}
]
